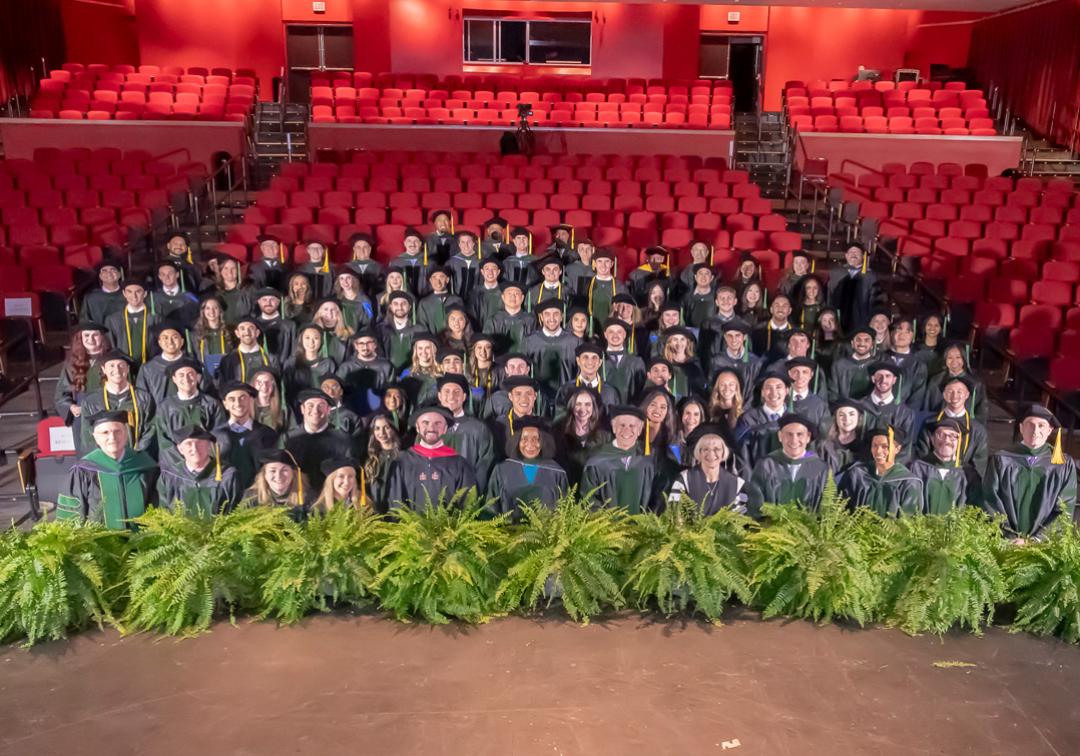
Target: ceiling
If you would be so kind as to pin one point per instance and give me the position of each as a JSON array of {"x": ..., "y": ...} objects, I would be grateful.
[{"x": 969, "y": 6}]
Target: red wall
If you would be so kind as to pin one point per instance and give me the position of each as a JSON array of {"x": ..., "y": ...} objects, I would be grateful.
[
  {"x": 99, "y": 31},
  {"x": 940, "y": 37}
]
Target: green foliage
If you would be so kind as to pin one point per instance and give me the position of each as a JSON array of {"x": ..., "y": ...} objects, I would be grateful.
[
  {"x": 946, "y": 572},
  {"x": 814, "y": 565},
  {"x": 443, "y": 562},
  {"x": 684, "y": 561},
  {"x": 1044, "y": 583},
  {"x": 185, "y": 567},
  {"x": 332, "y": 560},
  {"x": 572, "y": 552},
  {"x": 56, "y": 578}
]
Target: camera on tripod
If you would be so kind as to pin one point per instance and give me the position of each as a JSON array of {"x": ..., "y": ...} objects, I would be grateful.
[{"x": 524, "y": 109}]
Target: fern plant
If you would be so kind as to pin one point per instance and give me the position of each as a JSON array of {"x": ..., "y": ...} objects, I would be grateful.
[
  {"x": 570, "y": 552},
  {"x": 60, "y": 576},
  {"x": 683, "y": 561},
  {"x": 184, "y": 568},
  {"x": 813, "y": 565},
  {"x": 443, "y": 562},
  {"x": 1044, "y": 583},
  {"x": 332, "y": 560},
  {"x": 948, "y": 572}
]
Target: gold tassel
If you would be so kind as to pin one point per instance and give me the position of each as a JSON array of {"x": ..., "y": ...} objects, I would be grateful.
[
  {"x": 712, "y": 252},
  {"x": 363, "y": 488},
  {"x": 326, "y": 260},
  {"x": 217, "y": 463},
  {"x": 299, "y": 481},
  {"x": 813, "y": 264},
  {"x": 451, "y": 222},
  {"x": 647, "y": 452},
  {"x": 1058, "y": 457},
  {"x": 510, "y": 419},
  {"x": 892, "y": 447},
  {"x": 865, "y": 258},
  {"x": 572, "y": 245}
]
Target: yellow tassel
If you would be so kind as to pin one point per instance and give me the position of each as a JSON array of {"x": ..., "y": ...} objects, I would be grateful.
[
  {"x": 958, "y": 455},
  {"x": 1058, "y": 457},
  {"x": 510, "y": 419},
  {"x": 187, "y": 250},
  {"x": 299, "y": 481},
  {"x": 813, "y": 264},
  {"x": 281, "y": 253},
  {"x": 363, "y": 488},
  {"x": 865, "y": 258},
  {"x": 892, "y": 447},
  {"x": 451, "y": 222},
  {"x": 647, "y": 453},
  {"x": 712, "y": 252},
  {"x": 425, "y": 253},
  {"x": 572, "y": 245},
  {"x": 217, "y": 463},
  {"x": 326, "y": 261},
  {"x": 530, "y": 242}
]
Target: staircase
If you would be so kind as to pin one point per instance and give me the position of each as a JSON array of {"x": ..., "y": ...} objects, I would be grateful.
[
  {"x": 280, "y": 136},
  {"x": 1043, "y": 159},
  {"x": 761, "y": 149}
]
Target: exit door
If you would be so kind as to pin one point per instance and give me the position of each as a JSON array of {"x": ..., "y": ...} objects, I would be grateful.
[
  {"x": 315, "y": 48},
  {"x": 737, "y": 57}
]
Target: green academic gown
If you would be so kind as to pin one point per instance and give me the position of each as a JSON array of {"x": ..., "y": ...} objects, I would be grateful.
[
  {"x": 175, "y": 413},
  {"x": 199, "y": 493},
  {"x": 849, "y": 379},
  {"x": 101, "y": 489},
  {"x": 139, "y": 405},
  {"x": 945, "y": 486},
  {"x": 619, "y": 478},
  {"x": 897, "y": 492},
  {"x": 1029, "y": 489},
  {"x": 552, "y": 357},
  {"x": 777, "y": 479},
  {"x": 511, "y": 330},
  {"x": 472, "y": 439},
  {"x": 139, "y": 326}
]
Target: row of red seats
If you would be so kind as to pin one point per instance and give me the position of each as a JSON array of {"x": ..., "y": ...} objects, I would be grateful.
[
  {"x": 854, "y": 124},
  {"x": 506, "y": 118},
  {"x": 489, "y": 98},
  {"x": 823, "y": 87},
  {"x": 154, "y": 70},
  {"x": 513, "y": 83}
]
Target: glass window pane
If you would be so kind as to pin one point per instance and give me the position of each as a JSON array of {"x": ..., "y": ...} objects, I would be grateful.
[
  {"x": 512, "y": 41},
  {"x": 479, "y": 40},
  {"x": 556, "y": 42}
]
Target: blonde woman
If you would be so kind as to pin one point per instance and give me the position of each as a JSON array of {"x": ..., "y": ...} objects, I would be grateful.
[
  {"x": 709, "y": 483},
  {"x": 329, "y": 317},
  {"x": 279, "y": 483},
  {"x": 268, "y": 404},
  {"x": 297, "y": 305},
  {"x": 341, "y": 488},
  {"x": 726, "y": 401}
]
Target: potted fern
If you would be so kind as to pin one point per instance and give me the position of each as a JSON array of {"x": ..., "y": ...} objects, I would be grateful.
[
  {"x": 572, "y": 553},
  {"x": 684, "y": 561},
  {"x": 946, "y": 572},
  {"x": 814, "y": 565},
  {"x": 331, "y": 561},
  {"x": 58, "y": 577},
  {"x": 1044, "y": 583},
  {"x": 183, "y": 569},
  {"x": 442, "y": 563}
]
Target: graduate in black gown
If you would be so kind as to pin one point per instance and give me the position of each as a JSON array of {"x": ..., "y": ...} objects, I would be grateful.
[
  {"x": 589, "y": 359},
  {"x": 708, "y": 481},
  {"x": 883, "y": 484},
  {"x": 804, "y": 400},
  {"x": 200, "y": 483},
  {"x": 853, "y": 288},
  {"x": 622, "y": 370},
  {"x": 365, "y": 373},
  {"x": 1032, "y": 483},
  {"x": 319, "y": 271},
  {"x": 130, "y": 328},
  {"x": 619, "y": 474},
  {"x": 186, "y": 408},
  {"x": 464, "y": 265},
  {"x": 849, "y": 378},
  {"x": 957, "y": 364},
  {"x": 153, "y": 377},
  {"x": 82, "y": 370},
  {"x": 314, "y": 439},
  {"x": 756, "y": 430},
  {"x": 280, "y": 483},
  {"x": 974, "y": 440},
  {"x": 842, "y": 443},
  {"x": 250, "y": 354},
  {"x": 246, "y": 439},
  {"x": 278, "y": 332},
  {"x": 467, "y": 435},
  {"x": 947, "y": 481},
  {"x": 101, "y": 302},
  {"x": 429, "y": 471},
  {"x": 111, "y": 484},
  {"x": 269, "y": 269},
  {"x": 551, "y": 349},
  {"x": 886, "y": 408},
  {"x": 529, "y": 474},
  {"x": 794, "y": 474},
  {"x": 733, "y": 353}
]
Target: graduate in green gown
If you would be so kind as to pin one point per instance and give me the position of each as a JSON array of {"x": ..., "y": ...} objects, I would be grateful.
[
  {"x": 107, "y": 298},
  {"x": 530, "y": 474},
  {"x": 186, "y": 408},
  {"x": 849, "y": 378},
  {"x": 511, "y": 323},
  {"x": 468, "y": 436},
  {"x": 792, "y": 475},
  {"x": 118, "y": 393},
  {"x": 249, "y": 356},
  {"x": 550, "y": 286},
  {"x": 200, "y": 483},
  {"x": 603, "y": 287},
  {"x": 974, "y": 441},
  {"x": 619, "y": 474},
  {"x": 431, "y": 311},
  {"x": 842, "y": 444},
  {"x": 485, "y": 299},
  {"x": 464, "y": 265},
  {"x": 883, "y": 484},
  {"x": 131, "y": 326},
  {"x": 113, "y": 483},
  {"x": 622, "y": 370},
  {"x": 82, "y": 369},
  {"x": 551, "y": 349},
  {"x": 518, "y": 265},
  {"x": 948, "y": 482},
  {"x": 1033, "y": 482},
  {"x": 397, "y": 329}
]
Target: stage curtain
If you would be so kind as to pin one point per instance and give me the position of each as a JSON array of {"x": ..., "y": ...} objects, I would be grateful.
[
  {"x": 30, "y": 30},
  {"x": 1033, "y": 55}
]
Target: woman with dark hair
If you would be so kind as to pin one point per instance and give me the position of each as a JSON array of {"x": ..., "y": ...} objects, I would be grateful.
[
  {"x": 656, "y": 296},
  {"x": 931, "y": 346},
  {"x": 298, "y": 298},
  {"x": 690, "y": 413},
  {"x": 279, "y": 483},
  {"x": 659, "y": 437},
  {"x": 679, "y": 347},
  {"x": 581, "y": 431},
  {"x": 709, "y": 482},
  {"x": 843, "y": 443},
  {"x": 828, "y": 339},
  {"x": 480, "y": 367},
  {"x": 530, "y": 473},
  {"x": 309, "y": 362},
  {"x": 752, "y": 307},
  {"x": 211, "y": 339},
  {"x": 395, "y": 404},
  {"x": 230, "y": 288},
  {"x": 808, "y": 297},
  {"x": 82, "y": 369},
  {"x": 383, "y": 447},
  {"x": 957, "y": 365},
  {"x": 459, "y": 331}
]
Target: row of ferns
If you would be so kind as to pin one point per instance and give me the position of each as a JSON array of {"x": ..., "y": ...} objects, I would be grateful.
[{"x": 176, "y": 574}]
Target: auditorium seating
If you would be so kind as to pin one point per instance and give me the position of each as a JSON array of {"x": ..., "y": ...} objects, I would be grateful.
[
  {"x": 624, "y": 203},
  {"x": 492, "y": 100},
  {"x": 60, "y": 208},
  {"x": 124, "y": 92},
  {"x": 1007, "y": 248},
  {"x": 884, "y": 107}
]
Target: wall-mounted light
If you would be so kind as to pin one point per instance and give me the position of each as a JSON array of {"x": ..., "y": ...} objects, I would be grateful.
[{"x": 318, "y": 7}]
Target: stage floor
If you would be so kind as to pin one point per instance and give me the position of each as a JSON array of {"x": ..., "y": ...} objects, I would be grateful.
[{"x": 365, "y": 685}]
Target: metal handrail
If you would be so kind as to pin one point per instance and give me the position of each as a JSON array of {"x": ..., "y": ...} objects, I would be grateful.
[
  {"x": 170, "y": 153},
  {"x": 864, "y": 166}
]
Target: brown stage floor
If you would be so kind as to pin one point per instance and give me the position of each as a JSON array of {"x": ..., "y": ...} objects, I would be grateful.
[{"x": 365, "y": 685}]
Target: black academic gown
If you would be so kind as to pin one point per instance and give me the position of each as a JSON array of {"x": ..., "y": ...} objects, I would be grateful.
[
  {"x": 515, "y": 482},
  {"x": 747, "y": 367},
  {"x": 198, "y": 493},
  {"x": 1029, "y": 489},
  {"x": 140, "y": 416},
  {"x": 178, "y": 307},
  {"x": 839, "y": 456},
  {"x": 267, "y": 273},
  {"x": 312, "y": 449},
  {"x": 244, "y": 447},
  {"x": 371, "y": 273},
  {"x": 854, "y": 295},
  {"x": 897, "y": 492},
  {"x": 464, "y": 275},
  {"x": 510, "y": 330},
  {"x": 473, "y": 440},
  {"x": 776, "y": 479},
  {"x": 101, "y": 489},
  {"x": 416, "y": 269},
  {"x": 98, "y": 305},
  {"x": 620, "y": 478},
  {"x": 241, "y": 366},
  {"x": 899, "y": 416},
  {"x": 624, "y": 372},
  {"x": 552, "y": 357},
  {"x": 140, "y": 326},
  {"x": 815, "y": 409},
  {"x": 912, "y": 382},
  {"x": 945, "y": 486},
  {"x": 726, "y": 492},
  {"x": 364, "y": 382},
  {"x": 933, "y": 402},
  {"x": 397, "y": 343},
  {"x": 609, "y": 395},
  {"x": 278, "y": 336},
  {"x": 65, "y": 396},
  {"x": 755, "y": 434},
  {"x": 175, "y": 413},
  {"x": 420, "y": 477},
  {"x": 849, "y": 379}
]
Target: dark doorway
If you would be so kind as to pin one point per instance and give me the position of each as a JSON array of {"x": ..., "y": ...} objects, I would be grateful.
[
  {"x": 736, "y": 57},
  {"x": 315, "y": 48}
]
